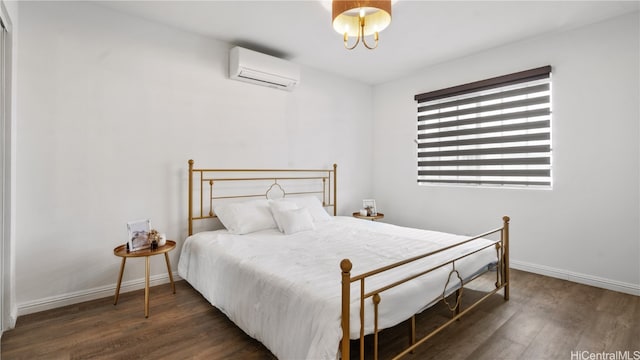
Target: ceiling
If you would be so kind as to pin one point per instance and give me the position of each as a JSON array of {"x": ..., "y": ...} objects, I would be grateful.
[{"x": 421, "y": 33}]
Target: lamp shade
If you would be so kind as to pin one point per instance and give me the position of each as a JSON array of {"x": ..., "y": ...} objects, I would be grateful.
[{"x": 346, "y": 16}]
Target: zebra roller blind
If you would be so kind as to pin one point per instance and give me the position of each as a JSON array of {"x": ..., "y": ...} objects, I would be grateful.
[{"x": 491, "y": 132}]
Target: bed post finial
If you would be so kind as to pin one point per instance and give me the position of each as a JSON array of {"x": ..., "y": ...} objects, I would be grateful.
[
  {"x": 505, "y": 244},
  {"x": 190, "y": 197},
  {"x": 345, "y": 266}
]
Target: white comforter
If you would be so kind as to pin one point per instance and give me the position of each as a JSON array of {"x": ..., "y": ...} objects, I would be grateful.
[{"x": 284, "y": 290}]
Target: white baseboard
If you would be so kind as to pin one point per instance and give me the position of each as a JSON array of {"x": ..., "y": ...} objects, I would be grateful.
[
  {"x": 627, "y": 288},
  {"x": 90, "y": 294}
]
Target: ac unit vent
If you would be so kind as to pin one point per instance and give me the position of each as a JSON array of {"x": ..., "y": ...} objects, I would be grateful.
[{"x": 261, "y": 69}]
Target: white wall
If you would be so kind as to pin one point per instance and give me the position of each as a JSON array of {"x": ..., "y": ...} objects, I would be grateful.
[
  {"x": 112, "y": 107},
  {"x": 586, "y": 228}
]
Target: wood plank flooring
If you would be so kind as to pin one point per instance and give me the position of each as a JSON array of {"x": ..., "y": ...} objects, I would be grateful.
[{"x": 545, "y": 318}]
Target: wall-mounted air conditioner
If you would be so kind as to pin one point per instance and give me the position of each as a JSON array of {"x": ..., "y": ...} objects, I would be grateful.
[{"x": 257, "y": 68}]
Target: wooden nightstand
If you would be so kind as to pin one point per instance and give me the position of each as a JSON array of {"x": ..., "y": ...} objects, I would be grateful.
[
  {"x": 147, "y": 253},
  {"x": 378, "y": 216}
]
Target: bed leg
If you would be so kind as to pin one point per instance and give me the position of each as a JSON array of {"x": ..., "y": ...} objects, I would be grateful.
[
  {"x": 505, "y": 249},
  {"x": 376, "y": 302},
  {"x": 345, "y": 266},
  {"x": 413, "y": 332}
]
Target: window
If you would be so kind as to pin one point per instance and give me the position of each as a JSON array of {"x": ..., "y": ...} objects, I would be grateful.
[{"x": 494, "y": 132}]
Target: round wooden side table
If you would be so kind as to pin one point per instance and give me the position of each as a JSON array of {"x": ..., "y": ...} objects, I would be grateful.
[
  {"x": 122, "y": 252},
  {"x": 375, "y": 217}
]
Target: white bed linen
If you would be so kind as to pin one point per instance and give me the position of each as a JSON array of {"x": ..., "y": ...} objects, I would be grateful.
[{"x": 284, "y": 290}]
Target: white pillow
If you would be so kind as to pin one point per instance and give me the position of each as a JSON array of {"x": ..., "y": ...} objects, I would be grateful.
[
  {"x": 296, "y": 220},
  {"x": 313, "y": 204},
  {"x": 245, "y": 217},
  {"x": 277, "y": 207}
]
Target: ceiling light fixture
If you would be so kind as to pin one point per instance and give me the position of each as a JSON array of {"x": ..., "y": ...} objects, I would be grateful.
[{"x": 359, "y": 19}]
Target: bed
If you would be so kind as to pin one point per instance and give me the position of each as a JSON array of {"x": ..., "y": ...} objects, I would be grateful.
[{"x": 288, "y": 281}]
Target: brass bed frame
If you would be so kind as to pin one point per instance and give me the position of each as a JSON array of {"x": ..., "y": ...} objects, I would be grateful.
[
  {"x": 207, "y": 178},
  {"x": 502, "y": 282},
  {"x": 326, "y": 180}
]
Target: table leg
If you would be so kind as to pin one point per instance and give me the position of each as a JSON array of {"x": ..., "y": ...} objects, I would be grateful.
[
  {"x": 146, "y": 288},
  {"x": 115, "y": 302},
  {"x": 173, "y": 286}
]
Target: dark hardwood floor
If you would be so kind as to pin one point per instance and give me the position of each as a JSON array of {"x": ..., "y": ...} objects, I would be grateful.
[{"x": 545, "y": 318}]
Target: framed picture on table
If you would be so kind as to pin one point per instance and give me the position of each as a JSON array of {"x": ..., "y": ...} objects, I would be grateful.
[
  {"x": 370, "y": 206},
  {"x": 138, "y": 234}
]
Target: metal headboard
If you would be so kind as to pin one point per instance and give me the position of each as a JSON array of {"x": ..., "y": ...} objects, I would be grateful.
[{"x": 325, "y": 179}]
